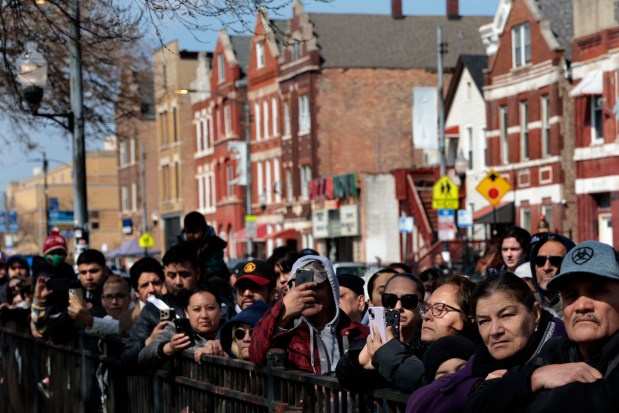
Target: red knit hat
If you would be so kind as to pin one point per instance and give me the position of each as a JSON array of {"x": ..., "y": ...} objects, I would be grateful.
[{"x": 54, "y": 241}]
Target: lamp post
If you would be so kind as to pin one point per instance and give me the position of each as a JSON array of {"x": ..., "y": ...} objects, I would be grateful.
[
  {"x": 461, "y": 165},
  {"x": 32, "y": 75}
]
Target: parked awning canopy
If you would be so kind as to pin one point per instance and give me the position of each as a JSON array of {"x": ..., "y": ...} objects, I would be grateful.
[
  {"x": 504, "y": 214},
  {"x": 591, "y": 84},
  {"x": 452, "y": 132}
]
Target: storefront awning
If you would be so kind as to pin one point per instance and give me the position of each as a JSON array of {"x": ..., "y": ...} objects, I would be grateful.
[
  {"x": 241, "y": 235},
  {"x": 591, "y": 84},
  {"x": 452, "y": 132},
  {"x": 285, "y": 234},
  {"x": 504, "y": 214}
]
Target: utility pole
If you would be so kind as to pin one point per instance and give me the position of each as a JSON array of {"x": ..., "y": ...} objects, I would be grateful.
[
  {"x": 250, "y": 246},
  {"x": 442, "y": 49},
  {"x": 143, "y": 184},
  {"x": 46, "y": 193}
]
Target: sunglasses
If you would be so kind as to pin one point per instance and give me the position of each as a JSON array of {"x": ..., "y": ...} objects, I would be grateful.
[
  {"x": 408, "y": 301},
  {"x": 555, "y": 260},
  {"x": 240, "y": 333}
]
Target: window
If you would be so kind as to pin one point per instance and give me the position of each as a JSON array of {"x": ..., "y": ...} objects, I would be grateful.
[
  {"x": 210, "y": 132},
  {"x": 174, "y": 125},
  {"x": 503, "y": 119},
  {"x": 260, "y": 60},
  {"x": 230, "y": 181},
  {"x": 289, "y": 194},
  {"x": 304, "y": 114},
  {"x": 258, "y": 121},
  {"x": 287, "y": 118},
  {"x": 260, "y": 182},
  {"x": 547, "y": 212},
  {"x": 122, "y": 152},
  {"x": 221, "y": 67},
  {"x": 201, "y": 178},
  {"x": 165, "y": 182},
  {"x": 132, "y": 152},
  {"x": 545, "y": 125},
  {"x": 134, "y": 197},
  {"x": 521, "y": 45},
  {"x": 265, "y": 110},
  {"x": 524, "y": 130},
  {"x": 275, "y": 116},
  {"x": 306, "y": 177},
  {"x": 227, "y": 120},
  {"x": 597, "y": 126},
  {"x": 277, "y": 184},
  {"x": 525, "y": 218},
  {"x": 268, "y": 185},
  {"x": 124, "y": 198},
  {"x": 163, "y": 127},
  {"x": 177, "y": 180},
  {"x": 482, "y": 133},
  {"x": 295, "y": 50},
  {"x": 210, "y": 192},
  {"x": 199, "y": 140},
  {"x": 469, "y": 134}
]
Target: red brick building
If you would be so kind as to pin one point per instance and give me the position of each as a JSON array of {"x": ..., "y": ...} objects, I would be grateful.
[{"x": 529, "y": 141}]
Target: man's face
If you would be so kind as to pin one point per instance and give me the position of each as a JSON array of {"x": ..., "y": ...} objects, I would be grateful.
[
  {"x": 180, "y": 278},
  {"x": 590, "y": 311},
  {"x": 282, "y": 278},
  {"x": 115, "y": 299},
  {"x": 193, "y": 234},
  {"x": 547, "y": 271},
  {"x": 149, "y": 284},
  {"x": 512, "y": 253},
  {"x": 92, "y": 275},
  {"x": 17, "y": 269},
  {"x": 248, "y": 292},
  {"x": 323, "y": 301},
  {"x": 352, "y": 304}
]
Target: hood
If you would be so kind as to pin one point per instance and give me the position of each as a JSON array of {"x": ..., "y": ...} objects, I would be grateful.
[
  {"x": 537, "y": 241},
  {"x": 251, "y": 315}
]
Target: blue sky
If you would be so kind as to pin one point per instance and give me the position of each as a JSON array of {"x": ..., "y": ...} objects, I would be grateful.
[{"x": 17, "y": 164}]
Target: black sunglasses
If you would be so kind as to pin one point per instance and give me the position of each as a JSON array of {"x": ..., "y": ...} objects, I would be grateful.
[
  {"x": 555, "y": 260},
  {"x": 409, "y": 301},
  {"x": 240, "y": 332}
]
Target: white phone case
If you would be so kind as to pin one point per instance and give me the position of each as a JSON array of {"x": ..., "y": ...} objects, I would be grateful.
[{"x": 376, "y": 316}]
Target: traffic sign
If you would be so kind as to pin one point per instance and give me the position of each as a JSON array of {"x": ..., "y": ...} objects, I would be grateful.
[
  {"x": 445, "y": 194},
  {"x": 407, "y": 225},
  {"x": 446, "y": 225},
  {"x": 493, "y": 187},
  {"x": 251, "y": 229},
  {"x": 146, "y": 241}
]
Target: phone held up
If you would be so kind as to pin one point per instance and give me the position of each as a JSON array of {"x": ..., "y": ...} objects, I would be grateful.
[
  {"x": 183, "y": 327},
  {"x": 382, "y": 318},
  {"x": 167, "y": 314},
  {"x": 76, "y": 296},
  {"x": 303, "y": 276}
]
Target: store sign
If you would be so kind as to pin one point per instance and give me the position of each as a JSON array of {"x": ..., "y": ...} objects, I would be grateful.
[
  {"x": 349, "y": 221},
  {"x": 320, "y": 223},
  {"x": 333, "y": 223}
]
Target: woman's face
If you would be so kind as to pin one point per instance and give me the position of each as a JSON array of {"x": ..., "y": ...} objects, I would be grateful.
[
  {"x": 409, "y": 318},
  {"x": 204, "y": 313},
  {"x": 282, "y": 279},
  {"x": 379, "y": 288},
  {"x": 505, "y": 325},
  {"x": 243, "y": 343},
  {"x": 449, "y": 321}
]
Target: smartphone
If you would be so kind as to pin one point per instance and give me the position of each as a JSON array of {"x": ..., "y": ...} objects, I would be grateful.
[
  {"x": 304, "y": 276},
  {"x": 376, "y": 315},
  {"x": 167, "y": 314},
  {"x": 76, "y": 295},
  {"x": 55, "y": 284},
  {"x": 392, "y": 318},
  {"x": 182, "y": 326}
]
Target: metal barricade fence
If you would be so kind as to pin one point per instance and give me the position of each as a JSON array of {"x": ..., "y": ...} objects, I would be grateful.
[{"x": 38, "y": 376}]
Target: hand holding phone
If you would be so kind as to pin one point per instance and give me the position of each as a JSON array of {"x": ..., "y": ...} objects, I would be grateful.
[
  {"x": 303, "y": 276},
  {"x": 183, "y": 327},
  {"x": 377, "y": 318},
  {"x": 76, "y": 297}
]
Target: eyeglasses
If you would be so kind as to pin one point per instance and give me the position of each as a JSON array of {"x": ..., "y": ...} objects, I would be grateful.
[
  {"x": 409, "y": 301},
  {"x": 555, "y": 260},
  {"x": 240, "y": 333},
  {"x": 17, "y": 286},
  {"x": 438, "y": 310},
  {"x": 112, "y": 297}
]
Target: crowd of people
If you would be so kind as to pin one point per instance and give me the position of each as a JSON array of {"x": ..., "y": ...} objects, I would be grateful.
[{"x": 538, "y": 332}]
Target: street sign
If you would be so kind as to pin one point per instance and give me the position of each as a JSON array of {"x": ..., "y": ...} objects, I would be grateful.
[
  {"x": 146, "y": 241},
  {"x": 445, "y": 194},
  {"x": 493, "y": 187},
  {"x": 465, "y": 218},
  {"x": 251, "y": 229},
  {"x": 407, "y": 225},
  {"x": 446, "y": 225}
]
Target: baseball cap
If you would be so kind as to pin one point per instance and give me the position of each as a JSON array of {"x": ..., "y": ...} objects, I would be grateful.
[
  {"x": 589, "y": 257},
  {"x": 258, "y": 271},
  {"x": 352, "y": 282}
]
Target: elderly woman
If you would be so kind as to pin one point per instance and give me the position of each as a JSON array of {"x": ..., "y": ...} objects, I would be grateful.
[
  {"x": 204, "y": 313},
  {"x": 513, "y": 328},
  {"x": 236, "y": 333}
]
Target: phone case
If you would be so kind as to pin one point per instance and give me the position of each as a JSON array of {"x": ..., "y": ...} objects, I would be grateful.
[
  {"x": 303, "y": 277},
  {"x": 392, "y": 318},
  {"x": 167, "y": 314},
  {"x": 376, "y": 316},
  {"x": 76, "y": 296},
  {"x": 182, "y": 326}
]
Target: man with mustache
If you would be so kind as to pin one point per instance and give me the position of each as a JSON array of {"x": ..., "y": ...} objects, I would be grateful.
[{"x": 579, "y": 372}]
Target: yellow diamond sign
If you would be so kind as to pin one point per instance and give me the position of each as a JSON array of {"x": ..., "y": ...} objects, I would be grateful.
[
  {"x": 146, "y": 241},
  {"x": 445, "y": 194},
  {"x": 493, "y": 187}
]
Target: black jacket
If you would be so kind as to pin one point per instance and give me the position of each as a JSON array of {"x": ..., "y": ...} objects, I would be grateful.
[
  {"x": 145, "y": 324},
  {"x": 512, "y": 393}
]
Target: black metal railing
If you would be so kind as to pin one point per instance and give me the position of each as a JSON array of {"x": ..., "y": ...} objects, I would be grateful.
[{"x": 38, "y": 376}]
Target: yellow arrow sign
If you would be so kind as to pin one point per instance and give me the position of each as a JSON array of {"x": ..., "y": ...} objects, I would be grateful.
[
  {"x": 493, "y": 187},
  {"x": 146, "y": 241},
  {"x": 445, "y": 194}
]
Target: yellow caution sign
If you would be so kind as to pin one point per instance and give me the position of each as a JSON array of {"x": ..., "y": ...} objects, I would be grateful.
[
  {"x": 445, "y": 194},
  {"x": 146, "y": 241},
  {"x": 493, "y": 187}
]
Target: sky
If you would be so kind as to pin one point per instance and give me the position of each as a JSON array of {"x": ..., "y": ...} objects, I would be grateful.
[{"x": 16, "y": 163}]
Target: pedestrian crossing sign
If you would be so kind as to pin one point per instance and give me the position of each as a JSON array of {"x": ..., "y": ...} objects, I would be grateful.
[
  {"x": 146, "y": 241},
  {"x": 445, "y": 194}
]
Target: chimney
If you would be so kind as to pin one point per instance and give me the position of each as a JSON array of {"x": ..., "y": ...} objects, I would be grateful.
[
  {"x": 396, "y": 9},
  {"x": 453, "y": 9}
]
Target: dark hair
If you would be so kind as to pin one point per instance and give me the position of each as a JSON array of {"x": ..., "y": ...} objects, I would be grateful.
[
  {"x": 413, "y": 278},
  {"x": 430, "y": 274},
  {"x": 466, "y": 291},
  {"x": 372, "y": 280},
  {"x": 91, "y": 256},
  {"x": 506, "y": 283},
  {"x": 205, "y": 289},
  {"x": 194, "y": 219},
  {"x": 522, "y": 236},
  {"x": 400, "y": 266},
  {"x": 179, "y": 253},
  {"x": 285, "y": 257},
  {"x": 146, "y": 264}
]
